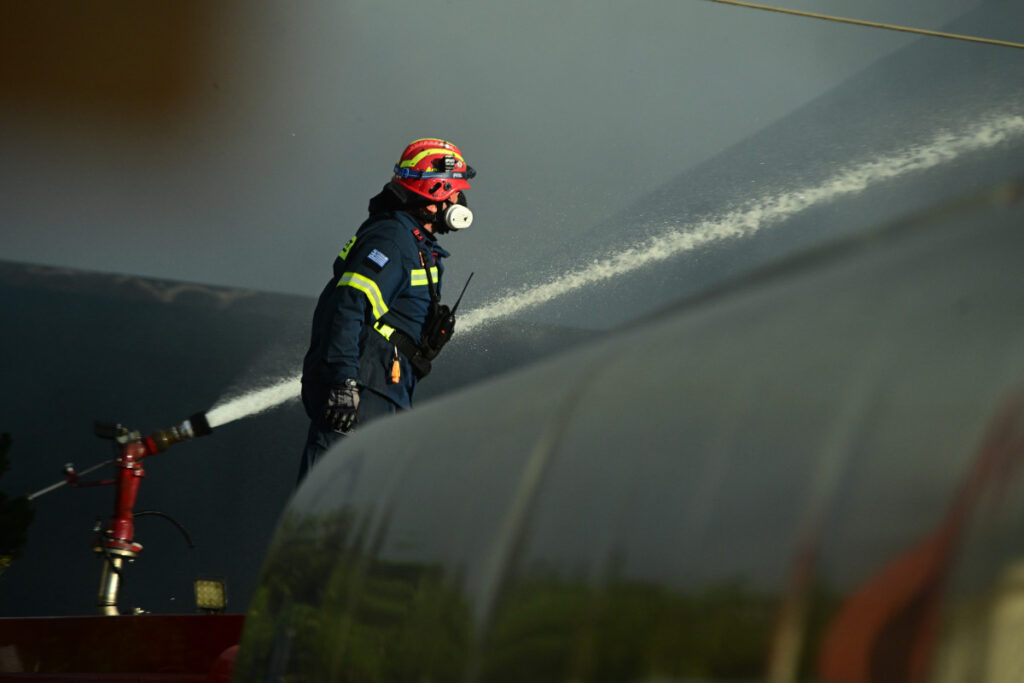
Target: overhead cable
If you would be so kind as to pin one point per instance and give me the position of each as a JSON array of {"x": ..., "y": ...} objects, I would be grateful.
[{"x": 872, "y": 24}]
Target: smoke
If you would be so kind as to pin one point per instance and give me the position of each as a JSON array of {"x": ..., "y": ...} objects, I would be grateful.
[{"x": 751, "y": 217}]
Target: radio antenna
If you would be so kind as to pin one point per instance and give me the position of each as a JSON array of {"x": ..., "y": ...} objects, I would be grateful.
[{"x": 459, "y": 300}]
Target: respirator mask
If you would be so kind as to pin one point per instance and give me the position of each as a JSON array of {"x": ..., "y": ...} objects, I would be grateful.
[{"x": 455, "y": 217}]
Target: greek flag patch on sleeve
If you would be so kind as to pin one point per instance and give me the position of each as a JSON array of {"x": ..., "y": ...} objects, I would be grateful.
[{"x": 376, "y": 260}]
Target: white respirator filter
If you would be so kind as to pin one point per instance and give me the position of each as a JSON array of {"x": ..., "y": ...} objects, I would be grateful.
[{"x": 458, "y": 217}]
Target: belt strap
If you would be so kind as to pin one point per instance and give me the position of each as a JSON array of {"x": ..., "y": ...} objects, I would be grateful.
[{"x": 407, "y": 347}]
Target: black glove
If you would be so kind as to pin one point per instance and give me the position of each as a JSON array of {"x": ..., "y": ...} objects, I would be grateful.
[{"x": 342, "y": 403}]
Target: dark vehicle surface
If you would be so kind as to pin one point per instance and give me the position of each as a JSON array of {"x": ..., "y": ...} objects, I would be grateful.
[{"x": 813, "y": 473}]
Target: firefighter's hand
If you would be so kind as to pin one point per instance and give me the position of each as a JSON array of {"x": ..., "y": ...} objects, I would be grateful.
[{"x": 342, "y": 404}]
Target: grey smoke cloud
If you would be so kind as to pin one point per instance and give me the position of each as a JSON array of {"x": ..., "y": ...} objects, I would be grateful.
[{"x": 570, "y": 111}]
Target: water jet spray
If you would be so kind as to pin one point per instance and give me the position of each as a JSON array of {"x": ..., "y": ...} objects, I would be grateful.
[{"x": 750, "y": 217}]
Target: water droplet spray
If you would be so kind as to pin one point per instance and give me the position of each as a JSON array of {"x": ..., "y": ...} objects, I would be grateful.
[{"x": 749, "y": 218}]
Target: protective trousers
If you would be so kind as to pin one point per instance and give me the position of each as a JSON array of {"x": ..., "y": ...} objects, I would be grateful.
[{"x": 320, "y": 438}]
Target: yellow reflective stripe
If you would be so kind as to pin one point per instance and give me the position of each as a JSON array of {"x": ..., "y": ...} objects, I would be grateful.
[
  {"x": 384, "y": 329},
  {"x": 367, "y": 287},
  {"x": 348, "y": 248},
  {"x": 411, "y": 163},
  {"x": 419, "y": 276}
]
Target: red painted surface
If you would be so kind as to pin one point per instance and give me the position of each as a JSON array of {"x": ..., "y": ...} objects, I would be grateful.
[
  {"x": 129, "y": 474},
  {"x": 224, "y": 667},
  {"x": 888, "y": 629},
  {"x": 167, "y": 648}
]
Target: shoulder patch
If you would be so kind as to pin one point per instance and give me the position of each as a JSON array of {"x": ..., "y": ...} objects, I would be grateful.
[
  {"x": 348, "y": 247},
  {"x": 376, "y": 259}
]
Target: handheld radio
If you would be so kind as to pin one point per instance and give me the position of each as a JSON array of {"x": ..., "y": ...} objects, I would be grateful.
[{"x": 440, "y": 324}]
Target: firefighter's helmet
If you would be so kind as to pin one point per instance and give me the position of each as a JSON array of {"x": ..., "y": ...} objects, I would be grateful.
[{"x": 433, "y": 169}]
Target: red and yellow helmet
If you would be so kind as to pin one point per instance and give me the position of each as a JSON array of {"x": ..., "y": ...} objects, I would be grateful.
[{"x": 433, "y": 168}]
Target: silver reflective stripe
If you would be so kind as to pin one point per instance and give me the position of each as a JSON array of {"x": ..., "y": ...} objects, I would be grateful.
[
  {"x": 367, "y": 287},
  {"x": 419, "y": 276}
]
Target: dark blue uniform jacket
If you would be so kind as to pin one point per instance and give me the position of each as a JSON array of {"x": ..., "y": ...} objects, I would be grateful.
[{"x": 380, "y": 280}]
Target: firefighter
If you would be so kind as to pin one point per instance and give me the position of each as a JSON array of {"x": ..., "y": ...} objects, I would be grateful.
[{"x": 378, "y": 323}]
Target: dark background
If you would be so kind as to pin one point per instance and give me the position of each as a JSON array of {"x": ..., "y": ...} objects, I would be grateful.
[{"x": 187, "y": 183}]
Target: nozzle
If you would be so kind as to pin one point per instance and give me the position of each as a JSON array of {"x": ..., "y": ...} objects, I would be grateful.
[
  {"x": 200, "y": 425},
  {"x": 197, "y": 425}
]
